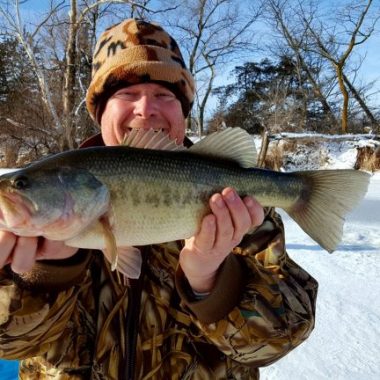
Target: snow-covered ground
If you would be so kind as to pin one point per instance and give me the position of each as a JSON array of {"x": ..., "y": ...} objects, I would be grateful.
[{"x": 346, "y": 341}]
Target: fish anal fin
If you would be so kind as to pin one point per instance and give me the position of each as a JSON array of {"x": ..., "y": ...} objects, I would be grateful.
[
  {"x": 234, "y": 144},
  {"x": 129, "y": 262}
]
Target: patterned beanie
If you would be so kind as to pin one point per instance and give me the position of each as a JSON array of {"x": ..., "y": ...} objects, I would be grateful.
[{"x": 132, "y": 52}]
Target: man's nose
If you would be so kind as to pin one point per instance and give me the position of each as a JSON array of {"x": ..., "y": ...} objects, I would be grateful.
[{"x": 145, "y": 107}]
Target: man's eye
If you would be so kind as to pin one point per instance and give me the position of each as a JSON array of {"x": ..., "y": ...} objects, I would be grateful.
[
  {"x": 124, "y": 95},
  {"x": 165, "y": 96}
]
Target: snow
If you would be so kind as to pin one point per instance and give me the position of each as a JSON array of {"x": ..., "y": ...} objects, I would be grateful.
[
  {"x": 314, "y": 135},
  {"x": 345, "y": 341},
  {"x": 339, "y": 155}
]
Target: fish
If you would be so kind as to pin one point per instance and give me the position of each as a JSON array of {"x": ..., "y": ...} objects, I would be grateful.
[{"x": 151, "y": 190}]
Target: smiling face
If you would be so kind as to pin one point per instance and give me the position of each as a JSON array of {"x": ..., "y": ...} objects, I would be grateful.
[{"x": 147, "y": 106}]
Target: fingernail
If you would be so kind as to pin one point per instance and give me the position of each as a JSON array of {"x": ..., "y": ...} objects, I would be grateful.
[
  {"x": 231, "y": 196},
  {"x": 219, "y": 201},
  {"x": 18, "y": 270}
]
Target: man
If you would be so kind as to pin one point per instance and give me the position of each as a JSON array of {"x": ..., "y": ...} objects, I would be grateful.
[{"x": 219, "y": 305}]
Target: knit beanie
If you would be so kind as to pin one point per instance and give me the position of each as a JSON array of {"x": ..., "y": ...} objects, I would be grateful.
[{"x": 133, "y": 52}]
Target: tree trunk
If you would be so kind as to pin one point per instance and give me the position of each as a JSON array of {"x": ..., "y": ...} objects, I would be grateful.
[
  {"x": 69, "y": 84},
  {"x": 318, "y": 92},
  {"x": 339, "y": 73},
  {"x": 202, "y": 106},
  {"x": 263, "y": 150},
  {"x": 361, "y": 102}
]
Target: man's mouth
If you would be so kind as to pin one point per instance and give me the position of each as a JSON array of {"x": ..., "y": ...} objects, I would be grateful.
[{"x": 157, "y": 126}]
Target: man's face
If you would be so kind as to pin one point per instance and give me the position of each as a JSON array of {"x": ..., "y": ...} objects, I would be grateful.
[{"x": 146, "y": 105}]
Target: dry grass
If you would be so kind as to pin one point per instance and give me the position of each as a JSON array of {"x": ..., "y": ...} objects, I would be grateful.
[
  {"x": 314, "y": 151},
  {"x": 275, "y": 154},
  {"x": 368, "y": 159}
]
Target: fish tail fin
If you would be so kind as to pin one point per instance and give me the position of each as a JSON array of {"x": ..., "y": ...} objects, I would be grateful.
[{"x": 329, "y": 195}]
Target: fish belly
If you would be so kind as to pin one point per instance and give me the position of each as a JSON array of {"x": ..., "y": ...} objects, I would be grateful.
[{"x": 145, "y": 213}]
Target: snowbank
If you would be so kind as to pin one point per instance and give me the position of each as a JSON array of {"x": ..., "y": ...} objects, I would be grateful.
[{"x": 345, "y": 342}]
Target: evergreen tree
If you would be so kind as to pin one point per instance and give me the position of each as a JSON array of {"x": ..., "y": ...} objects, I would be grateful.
[
  {"x": 16, "y": 78},
  {"x": 269, "y": 95}
]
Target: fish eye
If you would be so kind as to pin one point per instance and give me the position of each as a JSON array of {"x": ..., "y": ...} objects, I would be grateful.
[{"x": 20, "y": 183}]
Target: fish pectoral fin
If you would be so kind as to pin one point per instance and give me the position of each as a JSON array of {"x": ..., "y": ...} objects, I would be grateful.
[
  {"x": 234, "y": 144},
  {"x": 126, "y": 260},
  {"x": 129, "y": 262},
  {"x": 110, "y": 250},
  {"x": 151, "y": 139}
]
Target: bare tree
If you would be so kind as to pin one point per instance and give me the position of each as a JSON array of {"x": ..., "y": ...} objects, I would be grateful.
[
  {"x": 295, "y": 37},
  {"x": 357, "y": 96},
  {"x": 329, "y": 46},
  {"x": 212, "y": 32},
  {"x": 16, "y": 28},
  {"x": 77, "y": 18},
  {"x": 313, "y": 35},
  {"x": 64, "y": 123}
]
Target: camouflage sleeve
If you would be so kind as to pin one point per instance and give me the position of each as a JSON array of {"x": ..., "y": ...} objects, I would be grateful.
[
  {"x": 274, "y": 308},
  {"x": 35, "y": 307}
]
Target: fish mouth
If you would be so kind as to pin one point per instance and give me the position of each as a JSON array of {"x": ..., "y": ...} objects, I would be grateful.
[
  {"x": 15, "y": 210},
  {"x": 18, "y": 215}
]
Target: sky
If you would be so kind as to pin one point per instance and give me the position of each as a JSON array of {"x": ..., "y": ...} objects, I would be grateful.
[{"x": 370, "y": 51}]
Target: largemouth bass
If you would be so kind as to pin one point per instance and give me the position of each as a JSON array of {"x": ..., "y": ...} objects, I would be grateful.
[{"x": 112, "y": 197}]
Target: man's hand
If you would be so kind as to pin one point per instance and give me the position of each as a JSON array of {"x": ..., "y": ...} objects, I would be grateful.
[
  {"x": 220, "y": 231},
  {"x": 22, "y": 252}
]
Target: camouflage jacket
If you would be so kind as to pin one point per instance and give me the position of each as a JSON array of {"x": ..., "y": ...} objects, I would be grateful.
[{"x": 75, "y": 319}]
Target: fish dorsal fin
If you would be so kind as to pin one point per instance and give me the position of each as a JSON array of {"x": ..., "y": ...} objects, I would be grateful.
[
  {"x": 150, "y": 139},
  {"x": 233, "y": 144}
]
